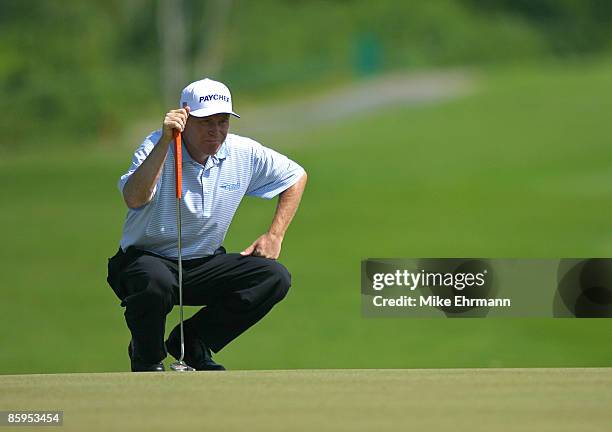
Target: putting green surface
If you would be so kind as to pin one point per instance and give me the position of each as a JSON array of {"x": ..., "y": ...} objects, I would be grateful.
[{"x": 339, "y": 400}]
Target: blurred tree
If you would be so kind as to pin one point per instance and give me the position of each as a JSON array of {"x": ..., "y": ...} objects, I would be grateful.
[
  {"x": 211, "y": 38},
  {"x": 571, "y": 26},
  {"x": 172, "y": 28},
  {"x": 73, "y": 69},
  {"x": 192, "y": 42}
]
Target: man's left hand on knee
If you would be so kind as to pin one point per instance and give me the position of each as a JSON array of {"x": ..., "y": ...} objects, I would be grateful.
[{"x": 268, "y": 246}]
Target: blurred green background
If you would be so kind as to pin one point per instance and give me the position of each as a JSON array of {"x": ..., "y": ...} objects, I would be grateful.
[{"x": 469, "y": 128}]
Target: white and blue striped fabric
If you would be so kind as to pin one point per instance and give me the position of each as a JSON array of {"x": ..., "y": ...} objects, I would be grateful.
[{"x": 211, "y": 195}]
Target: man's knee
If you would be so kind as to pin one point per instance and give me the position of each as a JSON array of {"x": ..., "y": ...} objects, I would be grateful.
[
  {"x": 157, "y": 295},
  {"x": 150, "y": 288},
  {"x": 282, "y": 277}
]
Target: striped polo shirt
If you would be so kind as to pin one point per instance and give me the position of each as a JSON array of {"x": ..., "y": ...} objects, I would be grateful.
[{"x": 211, "y": 195}]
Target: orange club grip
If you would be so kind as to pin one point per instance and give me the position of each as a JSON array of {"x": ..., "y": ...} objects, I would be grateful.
[{"x": 178, "y": 163}]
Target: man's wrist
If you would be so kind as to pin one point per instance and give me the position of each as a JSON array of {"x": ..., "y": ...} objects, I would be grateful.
[
  {"x": 164, "y": 141},
  {"x": 276, "y": 235}
]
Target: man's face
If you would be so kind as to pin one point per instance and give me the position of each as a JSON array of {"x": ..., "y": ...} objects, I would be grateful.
[{"x": 206, "y": 133}]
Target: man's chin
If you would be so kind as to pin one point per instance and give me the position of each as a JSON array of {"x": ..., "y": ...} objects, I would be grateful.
[{"x": 211, "y": 147}]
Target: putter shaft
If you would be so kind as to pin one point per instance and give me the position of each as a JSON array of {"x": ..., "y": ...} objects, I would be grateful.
[
  {"x": 180, "y": 364},
  {"x": 180, "y": 276}
]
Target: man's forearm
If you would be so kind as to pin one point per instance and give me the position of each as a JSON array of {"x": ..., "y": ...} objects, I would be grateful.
[
  {"x": 288, "y": 202},
  {"x": 138, "y": 190}
]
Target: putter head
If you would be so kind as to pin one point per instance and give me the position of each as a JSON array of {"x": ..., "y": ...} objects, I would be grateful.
[{"x": 181, "y": 366}]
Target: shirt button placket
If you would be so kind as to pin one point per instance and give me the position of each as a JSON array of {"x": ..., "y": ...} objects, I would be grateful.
[
  {"x": 206, "y": 193},
  {"x": 202, "y": 186}
]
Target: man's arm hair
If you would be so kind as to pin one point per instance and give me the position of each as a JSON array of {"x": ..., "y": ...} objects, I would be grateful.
[
  {"x": 288, "y": 202},
  {"x": 138, "y": 191},
  {"x": 140, "y": 187}
]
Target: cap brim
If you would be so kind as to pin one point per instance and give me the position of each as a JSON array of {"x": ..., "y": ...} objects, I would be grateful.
[{"x": 206, "y": 113}]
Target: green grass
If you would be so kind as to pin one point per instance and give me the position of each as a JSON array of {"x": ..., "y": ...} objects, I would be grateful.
[
  {"x": 518, "y": 169},
  {"x": 554, "y": 400}
]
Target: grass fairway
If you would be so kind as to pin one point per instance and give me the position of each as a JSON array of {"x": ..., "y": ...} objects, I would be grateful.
[
  {"x": 335, "y": 400},
  {"x": 520, "y": 168}
]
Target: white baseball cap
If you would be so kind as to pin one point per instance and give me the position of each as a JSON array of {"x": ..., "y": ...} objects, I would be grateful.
[{"x": 207, "y": 97}]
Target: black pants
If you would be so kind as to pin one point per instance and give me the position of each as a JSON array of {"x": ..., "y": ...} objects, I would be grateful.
[{"x": 236, "y": 290}]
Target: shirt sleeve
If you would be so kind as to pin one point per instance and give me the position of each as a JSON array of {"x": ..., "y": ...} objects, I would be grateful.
[
  {"x": 139, "y": 156},
  {"x": 272, "y": 173}
]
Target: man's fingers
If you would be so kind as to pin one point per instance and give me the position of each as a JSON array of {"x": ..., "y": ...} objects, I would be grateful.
[
  {"x": 175, "y": 125},
  {"x": 181, "y": 116},
  {"x": 175, "y": 121},
  {"x": 182, "y": 113},
  {"x": 248, "y": 251}
]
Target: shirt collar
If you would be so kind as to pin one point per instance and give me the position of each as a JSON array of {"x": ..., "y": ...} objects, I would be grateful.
[
  {"x": 222, "y": 152},
  {"x": 212, "y": 160}
]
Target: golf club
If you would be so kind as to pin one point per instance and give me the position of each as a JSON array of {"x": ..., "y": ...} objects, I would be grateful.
[{"x": 179, "y": 365}]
